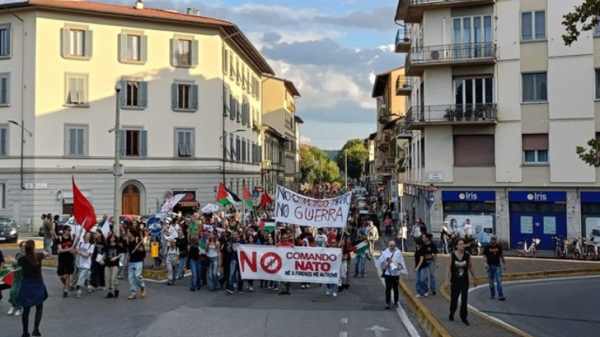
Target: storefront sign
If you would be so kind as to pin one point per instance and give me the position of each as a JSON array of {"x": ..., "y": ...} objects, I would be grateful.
[
  {"x": 469, "y": 196},
  {"x": 590, "y": 197},
  {"x": 297, "y": 209},
  {"x": 537, "y": 196},
  {"x": 290, "y": 264}
]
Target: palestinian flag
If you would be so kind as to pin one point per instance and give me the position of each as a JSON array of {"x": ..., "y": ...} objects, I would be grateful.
[
  {"x": 361, "y": 248},
  {"x": 247, "y": 196},
  {"x": 265, "y": 200},
  {"x": 225, "y": 197},
  {"x": 7, "y": 276}
]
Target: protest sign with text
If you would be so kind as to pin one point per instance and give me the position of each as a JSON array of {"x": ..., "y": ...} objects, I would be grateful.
[
  {"x": 297, "y": 209},
  {"x": 290, "y": 264}
]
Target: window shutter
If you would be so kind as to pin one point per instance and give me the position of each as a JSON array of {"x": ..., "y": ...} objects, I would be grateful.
[
  {"x": 225, "y": 100},
  {"x": 194, "y": 97},
  {"x": 143, "y": 143},
  {"x": 195, "y": 51},
  {"x": 8, "y": 39},
  {"x": 174, "y": 62},
  {"x": 122, "y": 47},
  {"x": 72, "y": 141},
  {"x": 174, "y": 96},
  {"x": 225, "y": 59},
  {"x": 66, "y": 42},
  {"x": 122, "y": 142},
  {"x": 231, "y": 107},
  {"x": 143, "y": 48},
  {"x": 123, "y": 94},
  {"x": 3, "y": 141},
  {"x": 143, "y": 94},
  {"x": 88, "y": 44}
]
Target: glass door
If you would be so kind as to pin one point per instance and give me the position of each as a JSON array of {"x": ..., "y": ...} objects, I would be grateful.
[
  {"x": 471, "y": 35},
  {"x": 472, "y": 95}
]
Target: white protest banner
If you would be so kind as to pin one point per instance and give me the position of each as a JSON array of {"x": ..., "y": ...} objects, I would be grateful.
[
  {"x": 290, "y": 264},
  {"x": 297, "y": 209},
  {"x": 171, "y": 202}
]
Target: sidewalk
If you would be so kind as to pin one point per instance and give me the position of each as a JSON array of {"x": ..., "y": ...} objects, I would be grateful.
[{"x": 480, "y": 327}]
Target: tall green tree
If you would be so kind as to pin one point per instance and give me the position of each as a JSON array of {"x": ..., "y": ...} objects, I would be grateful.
[
  {"x": 583, "y": 18},
  {"x": 316, "y": 167},
  {"x": 357, "y": 157}
]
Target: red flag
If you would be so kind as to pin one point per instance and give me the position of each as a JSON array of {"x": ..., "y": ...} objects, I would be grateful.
[
  {"x": 83, "y": 211},
  {"x": 265, "y": 200},
  {"x": 246, "y": 195}
]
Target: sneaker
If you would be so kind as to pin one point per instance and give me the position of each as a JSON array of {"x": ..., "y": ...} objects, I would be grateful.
[
  {"x": 65, "y": 293},
  {"x": 18, "y": 312},
  {"x": 387, "y": 307},
  {"x": 143, "y": 292},
  {"x": 229, "y": 291},
  {"x": 116, "y": 294},
  {"x": 451, "y": 318},
  {"x": 433, "y": 293},
  {"x": 502, "y": 298},
  {"x": 11, "y": 311},
  {"x": 426, "y": 294},
  {"x": 79, "y": 292},
  {"x": 327, "y": 293},
  {"x": 131, "y": 296},
  {"x": 466, "y": 322},
  {"x": 250, "y": 289},
  {"x": 334, "y": 294},
  {"x": 419, "y": 296},
  {"x": 109, "y": 295},
  {"x": 36, "y": 333}
]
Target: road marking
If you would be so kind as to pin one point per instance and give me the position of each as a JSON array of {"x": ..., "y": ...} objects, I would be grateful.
[
  {"x": 344, "y": 322},
  {"x": 343, "y": 334},
  {"x": 408, "y": 325},
  {"x": 377, "y": 330}
]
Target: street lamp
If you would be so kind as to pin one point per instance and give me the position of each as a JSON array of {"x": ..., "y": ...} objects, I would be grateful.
[
  {"x": 23, "y": 130},
  {"x": 117, "y": 168}
]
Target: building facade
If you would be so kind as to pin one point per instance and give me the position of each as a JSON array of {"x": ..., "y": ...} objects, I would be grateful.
[
  {"x": 189, "y": 86},
  {"x": 280, "y": 124},
  {"x": 501, "y": 104}
]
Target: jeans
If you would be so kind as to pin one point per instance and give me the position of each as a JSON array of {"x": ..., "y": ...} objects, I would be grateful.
[
  {"x": 495, "y": 276},
  {"x": 48, "y": 245},
  {"x": 110, "y": 276},
  {"x": 196, "y": 281},
  {"x": 134, "y": 273},
  {"x": 181, "y": 266},
  {"x": 213, "y": 273},
  {"x": 391, "y": 285},
  {"x": 360, "y": 266},
  {"x": 426, "y": 279},
  {"x": 234, "y": 275},
  {"x": 84, "y": 276}
]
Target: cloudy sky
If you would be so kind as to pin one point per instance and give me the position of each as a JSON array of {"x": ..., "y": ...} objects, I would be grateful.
[{"x": 329, "y": 48}]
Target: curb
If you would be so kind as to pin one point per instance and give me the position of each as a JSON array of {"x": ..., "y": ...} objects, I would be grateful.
[
  {"x": 516, "y": 277},
  {"x": 427, "y": 320}
]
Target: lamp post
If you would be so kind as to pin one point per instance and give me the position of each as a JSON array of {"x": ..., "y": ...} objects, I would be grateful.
[
  {"x": 23, "y": 130},
  {"x": 117, "y": 168}
]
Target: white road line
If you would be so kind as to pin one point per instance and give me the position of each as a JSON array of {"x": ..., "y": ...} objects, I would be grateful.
[
  {"x": 410, "y": 328},
  {"x": 343, "y": 334}
]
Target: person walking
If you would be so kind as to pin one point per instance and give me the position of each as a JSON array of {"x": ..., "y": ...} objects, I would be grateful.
[
  {"x": 212, "y": 253},
  {"x": 47, "y": 232},
  {"x": 458, "y": 273},
  {"x": 85, "y": 250},
  {"x": 113, "y": 251},
  {"x": 137, "y": 254},
  {"x": 426, "y": 267},
  {"x": 172, "y": 257},
  {"x": 372, "y": 237},
  {"x": 66, "y": 259},
  {"x": 494, "y": 265},
  {"x": 392, "y": 265},
  {"x": 33, "y": 291},
  {"x": 16, "y": 308}
]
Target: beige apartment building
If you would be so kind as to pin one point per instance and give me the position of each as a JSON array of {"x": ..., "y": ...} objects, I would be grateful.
[
  {"x": 280, "y": 133},
  {"x": 500, "y": 104},
  {"x": 190, "y": 99}
]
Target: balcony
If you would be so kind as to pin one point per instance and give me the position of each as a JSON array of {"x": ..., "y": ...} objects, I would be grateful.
[
  {"x": 475, "y": 53},
  {"x": 403, "y": 86},
  {"x": 412, "y": 10},
  {"x": 403, "y": 39},
  {"x": 482, "y": 114}
]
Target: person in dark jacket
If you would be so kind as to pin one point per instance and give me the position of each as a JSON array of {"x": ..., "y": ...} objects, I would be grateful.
[{"x": 33, "y": 291}]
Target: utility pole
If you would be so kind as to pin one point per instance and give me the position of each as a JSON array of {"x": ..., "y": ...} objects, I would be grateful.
[
  {"x": 117, "y": 170},
  {"x": 22, "y": 154}
]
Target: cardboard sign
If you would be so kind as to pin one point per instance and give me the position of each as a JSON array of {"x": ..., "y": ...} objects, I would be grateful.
[
  {"x": 290, "y": 264},
  {"x": 297, "y": 209}
]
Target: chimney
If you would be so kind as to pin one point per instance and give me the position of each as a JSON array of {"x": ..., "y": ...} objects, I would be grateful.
[{"x": 139, "y": 4}]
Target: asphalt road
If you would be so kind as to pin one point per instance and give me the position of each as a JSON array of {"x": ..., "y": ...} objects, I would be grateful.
[
  {"x": 175, "y": 311},
  {"x": 547, "y": 309}
]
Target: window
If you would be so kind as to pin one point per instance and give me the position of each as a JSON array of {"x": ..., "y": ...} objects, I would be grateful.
[
  {"x": 134, "y": 94},
  {"x": 184, "y": 52},
  {"x": 238, "y": 148},
  {"x": 231, "y": 147},
  {"x": 76, "y": 90},
  {"x": 597, "y": 83},
  {"x": 2, "y": 195},
  {"x": 534, "y": 87},
  {"x": 5, "y": 34},
  {"x": 4, "y": 89},
  {"x": 4, "y": 140},
  {"x": 243, "y": 151},
  {"x": 134, "y": 142},
  {"x": 184, "y": 143},
  {"x": 76, "y": 43},
  {"x": 245, "y": 112},
  {"x": 184, "y": 97},
  {"x": 231, "y": 66},
  {"x": 133, "y": 47},
  {"x": 535, "y": 148},
  {"x": 76, "y": 140},
  {"x": 533, "y": 26},
  {"x": 226, "y": 101},
  {"x": 225, "y": 61},
  {"x": 233, "y": 103},
  {"x": 474, "y": 150},
  {"x": 475, "y": 34}
]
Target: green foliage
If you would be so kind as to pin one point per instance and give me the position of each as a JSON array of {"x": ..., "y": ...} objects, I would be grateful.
[
  {"x": 357, "y": 156},
  {"x": 591, "y": 154},
  {"x": 583, "y": 18},
  {"x": 316, "y": 167}
]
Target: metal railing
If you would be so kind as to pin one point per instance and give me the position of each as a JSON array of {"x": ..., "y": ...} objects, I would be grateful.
[
  {"x": 403, "y": 34},
  {"x": 457, "y": 52},
  {"x": 457, "y": 113},
  {"x": 402, "y": 84}
]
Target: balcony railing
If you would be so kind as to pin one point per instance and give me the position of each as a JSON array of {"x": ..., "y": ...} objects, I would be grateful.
[
  {"x": 457, "y": 53},
  {"x": 403, "y": 39},
  {"x": 479, "y": 113},
  {"x": 403, "y": 86}
]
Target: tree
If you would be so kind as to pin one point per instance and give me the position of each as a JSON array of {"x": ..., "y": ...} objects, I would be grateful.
[
  {"x": 316, "y": 167},
  {"x": 583, "y": 18},
  {"x": 357, "y": 157}
]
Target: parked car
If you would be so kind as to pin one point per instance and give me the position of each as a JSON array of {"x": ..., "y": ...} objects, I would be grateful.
[{"x": 8, "y": 230}]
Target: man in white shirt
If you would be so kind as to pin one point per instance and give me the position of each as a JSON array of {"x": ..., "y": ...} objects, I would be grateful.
[
  {"x": 392, "y": 265},
  {"x": 85, "y": 250},
  {"x": 372, "y": 237}
]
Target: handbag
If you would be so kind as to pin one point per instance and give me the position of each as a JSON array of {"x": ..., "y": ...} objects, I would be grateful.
[{"x": 100, "y": 259}]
